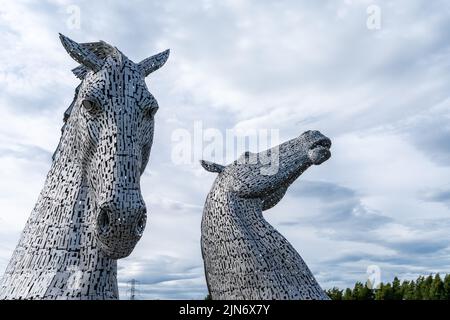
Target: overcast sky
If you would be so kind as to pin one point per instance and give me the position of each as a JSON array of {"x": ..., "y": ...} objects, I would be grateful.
[{"x": 381, "y": 95}]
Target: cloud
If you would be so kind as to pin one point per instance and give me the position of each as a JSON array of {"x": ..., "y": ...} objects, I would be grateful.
[
  {"x": 442, "y": 196},
  {"x": 404, "y": 266},
  {"x": 179, "y": 280},
  {"x": 338, "y": 207},
  {"x": 353, "y": 236},
  {"x": 380, "y": 95},
  {"x": 430, "y": 132},
  {"x": 26, "y": 151}
]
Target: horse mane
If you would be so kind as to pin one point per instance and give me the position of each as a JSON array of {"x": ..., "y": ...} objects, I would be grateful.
[{"x": 101, "y": 49}]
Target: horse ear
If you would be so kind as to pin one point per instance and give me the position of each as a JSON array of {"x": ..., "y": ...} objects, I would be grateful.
[
  {"x": 81, "y": 54},
  {"x": 153, "y": 63},
  {"x": 211, "y": 166}
]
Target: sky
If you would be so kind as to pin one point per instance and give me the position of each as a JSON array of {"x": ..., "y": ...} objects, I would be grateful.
[{"x": 373, "y": 76}]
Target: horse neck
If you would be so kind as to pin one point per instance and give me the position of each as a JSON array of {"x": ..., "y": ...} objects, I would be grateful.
[
  {"x": 69, "y": 195},
  {"x": 64, "y": 201},
  {"x": 226, "y": 208},
  {"x": 58, "y": 244}
]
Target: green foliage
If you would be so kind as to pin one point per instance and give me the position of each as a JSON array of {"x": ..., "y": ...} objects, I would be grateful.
[
  {"x": 335, "y": 293},
  {"x": 446, "y": 291},
  {"x": 385, "y": 292},
  {"x": 362, "y": 292},
  {"x": 437, "y": 288},
  {"x": 408, "y": 290},
  {"x": 424, "y": 288},
  {"x": 348, "y": 294},
  {"x": 397, "y": 293}
]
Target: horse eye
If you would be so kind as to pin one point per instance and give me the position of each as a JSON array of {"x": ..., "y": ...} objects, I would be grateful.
[{"x": 89, "y": 106}]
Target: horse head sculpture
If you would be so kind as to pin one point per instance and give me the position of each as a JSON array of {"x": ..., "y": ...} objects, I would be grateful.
[
  {"x": 90, "y": 212},
  {"x": 113, "y": 119},
  {"x": 244, "y": 256}
]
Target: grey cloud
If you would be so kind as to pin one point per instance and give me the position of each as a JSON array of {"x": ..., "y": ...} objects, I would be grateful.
[
  {"x": 431, "y": 134},
  {"x": 154, "y": 279},
  {"x": 164, "y": 277},
  {"x": 175, "y": 268},
  {"x": 341, "y": 210},
  {"x": 419, "y": 247},
  {"x": 346, "y": 269},
  {"x": 25, "y": 151},
  {"x": 340, "y": 206},
  {"x": 438, "y": 196},
  {"x": 394, "y": 259},
  {"x": 279, "y": 65},
  {"x": 183, "y": 289},
  {"x": 331, "y": 191}
]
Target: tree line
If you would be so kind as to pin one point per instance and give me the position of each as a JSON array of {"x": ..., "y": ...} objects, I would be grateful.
[{"x": 423, "y": 288}]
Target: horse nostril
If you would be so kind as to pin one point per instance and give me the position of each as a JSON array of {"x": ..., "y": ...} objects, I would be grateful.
[
  {"x": 103, "y": 221},
  {"x": 141, "y": 225}
]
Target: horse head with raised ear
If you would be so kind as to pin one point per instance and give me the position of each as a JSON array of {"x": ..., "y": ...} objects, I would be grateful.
[
  {"x": 238, "y": 244},
  {"x": 90, "y": 211},
  {"x": 112, "y": 117}
]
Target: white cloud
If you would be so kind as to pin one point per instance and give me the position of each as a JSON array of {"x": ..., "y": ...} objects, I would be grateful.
[{"x": 382, "y": 96}]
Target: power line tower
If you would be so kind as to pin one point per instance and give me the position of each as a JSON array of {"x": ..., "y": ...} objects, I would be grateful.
[{"x": 132, "y": 283}]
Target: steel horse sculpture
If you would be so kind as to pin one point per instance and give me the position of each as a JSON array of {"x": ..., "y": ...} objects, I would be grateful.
[
  {"x": 90, "y": 212},
  {"x": 244, "y": 256}
]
